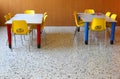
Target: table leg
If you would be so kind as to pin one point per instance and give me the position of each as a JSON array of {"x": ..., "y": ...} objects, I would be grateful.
[
  {"x": 86, "y": 33},
  {"x": 112, "y": 32},
  {"x": 9, "y": 35},
  {"x": 38, "y": 36}
]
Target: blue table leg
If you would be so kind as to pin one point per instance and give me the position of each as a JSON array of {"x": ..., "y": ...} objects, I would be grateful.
[
  {"x": 86, "y": 33},
  {"x": 112, "y": 32}
]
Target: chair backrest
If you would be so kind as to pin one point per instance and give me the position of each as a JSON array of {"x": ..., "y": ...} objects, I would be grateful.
[
  {"x": 78, "y": 21},
  {"x": 44, "y": 18},
  {"x": 10, "y": 15},
  {"x": 29, "y": 12},
  {"x": 98, "y": 24},
  {"x": 113, "y": 16},
  {"x": 89, "y": 11},
  {"x": 107, "y": 14},
  {"x": 43, "y": 21},
  {"x": 19, "y": 27},
  {"x": 75, "y": 18},
  {"x": 45, "y": 13},
  {"x": 6, "y": 17}
]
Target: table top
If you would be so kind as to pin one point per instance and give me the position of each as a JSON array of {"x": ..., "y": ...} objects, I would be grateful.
[
  {"x": 88, "y": 17},
  {"x": 29, "y": 18}
]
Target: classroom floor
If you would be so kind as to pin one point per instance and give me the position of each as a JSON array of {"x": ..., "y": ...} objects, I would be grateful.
[{"x": 62, "y": 57}]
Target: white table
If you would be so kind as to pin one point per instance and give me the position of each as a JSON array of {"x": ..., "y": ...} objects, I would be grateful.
[
  {"x": 87, "y": 18},
  {"x": 30, "y": 19}
]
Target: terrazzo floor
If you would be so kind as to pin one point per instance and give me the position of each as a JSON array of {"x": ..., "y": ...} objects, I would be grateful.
[{"x": 60, "y": 58}]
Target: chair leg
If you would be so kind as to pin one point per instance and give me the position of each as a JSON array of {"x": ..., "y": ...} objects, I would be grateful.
[
  {"x": 29, "y": 42},
  {"x": 75, "y": 31},
  {"x": 32, "y": 37},
  {"x": 22, "y": 40},
  {"x": 44, "y": 35},
  {"x": 105, "y": 39},
  {"x": 15, "y": 39},
  {"x": 78, "y": 29},
  {"x": 108, "y": 31}
]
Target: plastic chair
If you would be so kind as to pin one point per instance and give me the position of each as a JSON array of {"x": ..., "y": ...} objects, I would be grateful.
[
  {"x": 6, "y": 17},
  {"x": 108, "y": 25},
  {"x": 98, "y": 25},
  {"x": 45, "y": 13},
  {"x": 43, "y": 20},
  {"x": 10, "y": 15},
  {"x": 113, "y": 16},
  {"x": 42, "y": 26},
  {"x": 89, "y": 11},
  {"x": 107, "y": 14},
  {"x": 20, "y": 27},
  {"x": 29, "y": 12},
  {"x": 78, "y": 22}
]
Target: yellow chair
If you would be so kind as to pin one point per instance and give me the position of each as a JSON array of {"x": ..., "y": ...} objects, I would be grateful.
[
  {"x": 107, "y": 14},
  {"x": 79, "y": 23},
  {"x": 98, "y": 25},
  {"x": 89, "y": 11},
  {"x": 42, "y": 26},
  {"x": 29, "y": 12},
  {"x": 43, "y": 21},
  {"x": 113, "y": 16},
  {"x": 6, "y": 17},
  {"x": 45, "y": 13},
  {"x": 20, "y": 27},
  {"x": 10, "y": 15}
]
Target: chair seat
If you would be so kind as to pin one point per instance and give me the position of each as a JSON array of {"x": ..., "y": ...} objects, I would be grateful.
[{"x": 80, "y": 23}]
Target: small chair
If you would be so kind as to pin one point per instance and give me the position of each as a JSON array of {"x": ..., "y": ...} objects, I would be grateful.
[
  {"x": 79, "y": 23},
  {"x": 43, "y": 20},
  {"x": 108, "y": 25},
  {"x": 89, "y": 11},
  {"x": 98, "y": 25},
  {"x": 6, "y": 17},
  {"x": 34, "y": 27},
  {"x": 29, "y": 12},
  {"x": 10, "y": 15},
  {"x": 113, "y": 16},
  {"x": 107, "y": 14},
  {"x": 42, "y": 26},
  {"x": 20, "y": 27}
]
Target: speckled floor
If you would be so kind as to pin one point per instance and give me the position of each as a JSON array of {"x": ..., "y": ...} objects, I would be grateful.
[{"x": 61, "y": 58}]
